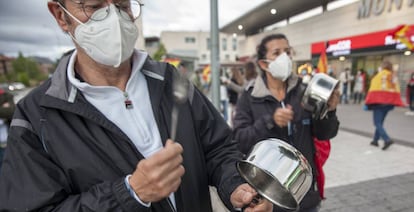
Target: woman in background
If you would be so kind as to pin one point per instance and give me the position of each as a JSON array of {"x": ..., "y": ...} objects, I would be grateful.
[
  {"x": 410, "y": 95},
  {"x": 383, "y": 95}
]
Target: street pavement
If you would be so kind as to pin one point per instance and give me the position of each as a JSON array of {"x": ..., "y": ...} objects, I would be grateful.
[{"x": 361, "y": 177}]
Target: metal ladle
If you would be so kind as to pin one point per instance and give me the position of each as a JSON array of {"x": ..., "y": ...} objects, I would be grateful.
[
  {"x": 180, "y": 92},
  {"x": 180, "y": 95}
]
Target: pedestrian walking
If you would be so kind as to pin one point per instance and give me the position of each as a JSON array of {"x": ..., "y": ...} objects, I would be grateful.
[
  {"x": 359, "y": 87},
  {"x": 383, "y": 95}
]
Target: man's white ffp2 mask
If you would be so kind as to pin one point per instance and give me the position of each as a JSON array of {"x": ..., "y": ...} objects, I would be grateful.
[{"x": 109, "y": 41}]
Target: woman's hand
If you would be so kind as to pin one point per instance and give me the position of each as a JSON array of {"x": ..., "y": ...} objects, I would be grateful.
[
  {"x": 243, "y": 196},
  {"x": 334, "y": 100},
  {"x": 282, "y": 116}
]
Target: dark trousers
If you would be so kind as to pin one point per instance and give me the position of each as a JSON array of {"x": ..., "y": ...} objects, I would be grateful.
[
  {"x": 380, "y": 113},
  {"x": 344, "y": 97},
  {"x": 1, "y": 155}
]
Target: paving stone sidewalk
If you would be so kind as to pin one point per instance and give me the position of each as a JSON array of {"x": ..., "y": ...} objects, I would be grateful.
[{"x": 360, "y": 177}]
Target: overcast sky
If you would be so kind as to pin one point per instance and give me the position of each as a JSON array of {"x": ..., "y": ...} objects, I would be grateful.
[{"x": 26, "y": 25}]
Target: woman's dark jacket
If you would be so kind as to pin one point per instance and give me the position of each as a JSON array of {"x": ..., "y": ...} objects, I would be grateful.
[
  {"x": 64, "y": 155},
  {"x": 253, "y": 122}
]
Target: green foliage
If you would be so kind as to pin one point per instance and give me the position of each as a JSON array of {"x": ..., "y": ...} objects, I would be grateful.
[
  {"x": 160, "y": 53},
  {"x": 25, "y": 70},
  {"x": 23, "y": 78}
]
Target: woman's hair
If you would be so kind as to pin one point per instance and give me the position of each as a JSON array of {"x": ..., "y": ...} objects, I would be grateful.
[
  {"x": 250, "y": 72},
  {"x": 387, "y": 65},
  {"x": 261, "y": 48}
]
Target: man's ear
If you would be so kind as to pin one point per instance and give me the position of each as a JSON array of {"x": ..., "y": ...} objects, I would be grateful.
[
  {"x": 263, "y": 64},
  {"x": 59, "y": 15}
]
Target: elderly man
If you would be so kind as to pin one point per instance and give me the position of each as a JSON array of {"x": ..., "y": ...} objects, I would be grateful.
[{"x": 97, "y": 135}]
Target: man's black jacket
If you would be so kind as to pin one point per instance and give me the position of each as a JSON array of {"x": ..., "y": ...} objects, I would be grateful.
[{"x": 64, "y": 155}]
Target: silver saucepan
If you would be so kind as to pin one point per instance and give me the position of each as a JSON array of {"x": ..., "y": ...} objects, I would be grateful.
[
  {"x": 317, "y": 93},
  {"x": 278, "y": 172}
]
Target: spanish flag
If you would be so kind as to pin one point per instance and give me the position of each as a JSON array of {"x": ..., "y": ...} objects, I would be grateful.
[
  {"x": 383, "y": 90},
  {"x": 323, "y": 62},
  {"x": 206, "y": 74},
  {"x": 403, "y": 33}
]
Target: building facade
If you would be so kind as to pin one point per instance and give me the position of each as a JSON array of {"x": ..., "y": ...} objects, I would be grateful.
[
  {"x": 197, "y": 44},
  {"x": 355, "y": 36}
]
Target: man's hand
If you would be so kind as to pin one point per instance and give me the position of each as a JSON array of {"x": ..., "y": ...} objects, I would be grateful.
[
  {"x": 243, "y": 196},
  {"x": 282, "y": 116},
  {"x": 5, "y": 105},
  {"x": 159, "y": 175}
]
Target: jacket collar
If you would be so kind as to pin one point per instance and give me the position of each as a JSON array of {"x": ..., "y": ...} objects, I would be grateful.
[
  {"x": 261, "y": 90},
  {"x": 62, "y": 89},
  {"x": 74, "y": 102}
]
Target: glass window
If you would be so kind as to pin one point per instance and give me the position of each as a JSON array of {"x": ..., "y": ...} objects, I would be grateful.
[
  {"x": 224, "y": 44},
  {"x": 190, "y": 40},
  {"x": 208, "y": 43},
  {"x": 234, "y": 44}
]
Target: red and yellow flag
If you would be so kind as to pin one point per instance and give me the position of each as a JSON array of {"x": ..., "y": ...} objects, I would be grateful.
[
  {"x": 403, "y": 33},
  {"x": 323, "y": 62},
  {"x": 384, "y": 90},
  {"x": 206, "y": 74}
]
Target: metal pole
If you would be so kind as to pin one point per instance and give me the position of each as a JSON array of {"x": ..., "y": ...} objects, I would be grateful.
[{"x": 215, "y": 54}]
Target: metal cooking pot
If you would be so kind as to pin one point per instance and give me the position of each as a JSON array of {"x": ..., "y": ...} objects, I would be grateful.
[
  {"x": 317, "y": 93},
  {"x": 278, "y": 172}
]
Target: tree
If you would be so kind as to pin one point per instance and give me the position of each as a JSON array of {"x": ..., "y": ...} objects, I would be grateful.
[
  {"x": 160, "y": 53},
  {"x": 26, "y": 71}
]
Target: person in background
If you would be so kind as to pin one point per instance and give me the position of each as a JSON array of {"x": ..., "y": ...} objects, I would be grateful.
[
  {"x": 99, "y": 135},
  {"x": 7, "y": 107},
  {"x": 383, "y": 95},
  {"x": 250, "y": 74},
  {"x": 305, "y": 72},
  {"x": 224, "y": 97},
  {"x": 196, "y": 79},
  {"x": 234, "y": 87},
  {"x": 271, "y": 108},
  {"x": 345, "y": 78},
  {"x": 410, "y": 95},
  {"x": 359, "y": 86}
]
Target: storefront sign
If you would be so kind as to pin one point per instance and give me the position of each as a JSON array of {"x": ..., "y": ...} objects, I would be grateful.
[
  {"x": 382, "y": 40},
  {"x": 342, "y": 47},
  {"x": 377, "y": 7}
]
